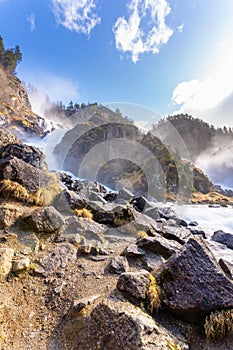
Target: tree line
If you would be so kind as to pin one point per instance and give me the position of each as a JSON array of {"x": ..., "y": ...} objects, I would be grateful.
[{"x": 9, "y": 58}]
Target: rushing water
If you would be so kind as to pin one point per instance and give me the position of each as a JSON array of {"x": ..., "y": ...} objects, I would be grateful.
[{"x": 211, "y": 220}]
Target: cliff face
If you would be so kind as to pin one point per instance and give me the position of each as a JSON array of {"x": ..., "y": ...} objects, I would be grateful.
[
  {"x": 116, "y": 153},
  {"x": 15, "y": 108}
]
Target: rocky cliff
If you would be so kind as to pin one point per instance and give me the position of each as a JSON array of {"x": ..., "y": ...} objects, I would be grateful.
[{"x": 15, "y": 109}]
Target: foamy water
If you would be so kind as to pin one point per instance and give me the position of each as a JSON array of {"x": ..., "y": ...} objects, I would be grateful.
[{"x": 211, "y": 220}]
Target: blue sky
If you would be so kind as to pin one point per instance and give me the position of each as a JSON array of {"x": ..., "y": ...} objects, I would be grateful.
[{"x": 167, "y": 55}]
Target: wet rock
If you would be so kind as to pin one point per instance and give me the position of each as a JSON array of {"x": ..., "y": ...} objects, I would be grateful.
[
  {"x": 17, "y": 170},
  {"x": 199, "y": 232},
  {"x": 59, "y": 257},
  {"x": 167, "y": 213},
  {"x": 193, "y": 284},
  {"x": 6, "y": 256},
  {"x": 9, "y": 213},
  {"x": 179, "y": 234},
  {"x": 20, "y": 264},
  {"x": 134, "y": 284},
  {"x": 227, "y": 268},
  {"x": 133, "y": 250},
  {"x": 193, "y": 223},
  {"x": 43, "y": 220},
  {"x": 159, "y": 245},
  {"x": 214, "y": 206},
  {"x": 114, "y": 326},
  {"x": 223, "y": 238},
  {"x": 118, "y": 265},
  {"x": 111, "y": 196}
]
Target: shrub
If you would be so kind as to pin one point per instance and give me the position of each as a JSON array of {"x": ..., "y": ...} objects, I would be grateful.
[
  {"x": 84, "y": 213},
  {"x": 219, "y": 324},
  {"x": 153, "y": 295}
]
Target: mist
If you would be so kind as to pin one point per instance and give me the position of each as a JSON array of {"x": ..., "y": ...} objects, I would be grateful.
[{"x": 217, "y": 162}]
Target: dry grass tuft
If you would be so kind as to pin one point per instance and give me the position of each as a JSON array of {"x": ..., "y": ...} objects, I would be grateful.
[
  {"x": 45, "y": 196},
  {"x": 219, "y": 324},
  {"x": 83, "y": 213},
  {"x": 153, "y": 295},
  {"x": 13, "y": 190},
  {"x": 142, "y": 234},
  {"x": 42, "y": 197}
]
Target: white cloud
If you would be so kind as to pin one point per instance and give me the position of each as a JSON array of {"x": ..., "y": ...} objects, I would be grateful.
[
  {"x": 32, "y": 21},
  {"x": 76, "y": 15},
  {"x": 210, "y": 98},
  {"x": 180, "y": 28},
  {"x": 135, "y": 37}
]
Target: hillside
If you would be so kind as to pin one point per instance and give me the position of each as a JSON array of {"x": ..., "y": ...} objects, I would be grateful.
[
  {"x": 105, "y": 146},
  {"x": 199, "y": 136}
]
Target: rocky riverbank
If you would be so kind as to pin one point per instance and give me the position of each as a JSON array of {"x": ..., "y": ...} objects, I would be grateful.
[{"x": 85, "y": 268}]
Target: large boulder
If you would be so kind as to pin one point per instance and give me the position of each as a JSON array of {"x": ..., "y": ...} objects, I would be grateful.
[
  {"x": 224, "y": 238},
  {"x": 114, "y": 326},
  {"x": 6, "y": 256},
  {"x": 29, "y": 154},
  {"x": 28, "y": 176},
  {"x": 193, "y": 284},
  {"x": 43, "y": 220}
]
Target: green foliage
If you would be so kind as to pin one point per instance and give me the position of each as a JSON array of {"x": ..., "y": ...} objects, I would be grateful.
[{"x": 9, "y": 58}]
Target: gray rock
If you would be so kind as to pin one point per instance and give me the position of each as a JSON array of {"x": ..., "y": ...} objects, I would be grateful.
[
  {"x": 59, "y": 257},
  {"x": 134, "y": 284},
  {"x": 43, "y": 220},
  {"x": 133, "y": 250},
  {"x": 70, "y": 200},
  {"x": 85, "y": 227},
  {"x": 17, "y": 170},
  {"x": 29, "y": 154},
  {"x": 224, "y": 238},
  {"x": 227, "y": 268},
  {"x": 159, "y": 245},
  {"x": 118, "y": 265},
  {"x": 179, "y": 234},
  {"x": 9, "y": 213},
  {"x": 114, "y": 326},
  {"x": 31, "y": 241},
  {"x": 126, "y": 194},
  {"x": 193, "y": 284},
  {"x": 6, "y": 256},
  {"x": 193, "y": 223},
  {"x": 20, "y": 264}
]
